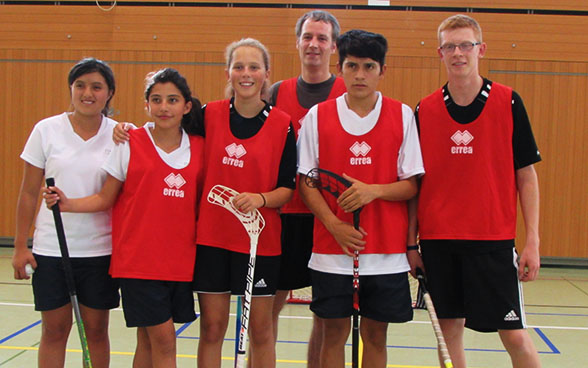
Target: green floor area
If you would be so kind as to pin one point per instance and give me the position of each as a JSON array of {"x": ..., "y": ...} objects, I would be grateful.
[{"x": 556, "y": 306}]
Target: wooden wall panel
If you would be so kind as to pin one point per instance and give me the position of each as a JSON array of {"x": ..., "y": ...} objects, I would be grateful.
[
  {"x": 556, "y": 96},
  {"x": 548, "y": 68},
  {"x": 211, "y": 29},
  {"x": 495, "y": 4}
]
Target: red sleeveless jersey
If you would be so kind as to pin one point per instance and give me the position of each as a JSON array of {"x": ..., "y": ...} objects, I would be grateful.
[
  {"x": 154, "y": 217},
  {"x": 371, "y": 158},
  {"x": 287, "y": 100},
  {"x": 245, "y": 165},
  {"x": 468, "y": 190}
]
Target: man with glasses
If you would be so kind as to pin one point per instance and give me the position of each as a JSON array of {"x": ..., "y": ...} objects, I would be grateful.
[{"x": 478, "y": 150}]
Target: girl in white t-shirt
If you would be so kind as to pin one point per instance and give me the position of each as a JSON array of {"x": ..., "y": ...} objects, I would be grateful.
[{"x": 70, "y": 147}]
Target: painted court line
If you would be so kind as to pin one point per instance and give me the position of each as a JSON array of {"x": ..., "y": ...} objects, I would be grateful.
[{"x": 20, "y": 331}]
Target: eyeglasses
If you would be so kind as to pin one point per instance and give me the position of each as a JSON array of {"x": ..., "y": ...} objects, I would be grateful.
[{"x": 449, "y": 48}]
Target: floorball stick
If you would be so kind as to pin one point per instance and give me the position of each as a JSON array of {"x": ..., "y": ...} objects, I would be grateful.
[
  {"x": 69, "y": 278},
  {"x": 434, "y": 321},
  {"x": 253, "y": 222},
  {"x": 335, "y": 184}
]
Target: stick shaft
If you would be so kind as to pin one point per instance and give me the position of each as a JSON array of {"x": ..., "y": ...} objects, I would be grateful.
[
  {"x": 69, "y": 279},
  {"x": 242, "y": 347}
]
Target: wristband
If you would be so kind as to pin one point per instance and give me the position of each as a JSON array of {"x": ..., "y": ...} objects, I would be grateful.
[
  {"x": 412, "y": 247},
  {"x": 263, "y": 197}
]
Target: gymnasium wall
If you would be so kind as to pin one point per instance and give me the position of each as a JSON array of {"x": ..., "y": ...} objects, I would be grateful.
[{"x": 539, "y": 47}]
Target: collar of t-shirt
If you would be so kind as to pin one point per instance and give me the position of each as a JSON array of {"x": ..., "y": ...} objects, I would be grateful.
[
  {"x": 178, "y": 158},
  {"x": 353, "y": 123},
  {"x": 469, "y": 113},
  {"x": 243, "y": 128}
]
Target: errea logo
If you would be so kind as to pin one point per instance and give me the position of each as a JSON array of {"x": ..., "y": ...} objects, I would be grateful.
[
  {"x": 360, "y": 151},
  {"x": 234, "y": 152},
  {"x": 462, "y": 139},
  {"x": 174, "y": 183}
]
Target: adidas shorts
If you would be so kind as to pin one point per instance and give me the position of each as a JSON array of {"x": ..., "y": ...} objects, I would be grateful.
[
  {"x": 152, "y": 302},
  {"x": 383, "y": 298},
  {"x": 296, "y": 250},
  {"x": 94, "y": 286},
  {"x": 219, "y": 270},
  {"x": 475, "y": 280}
]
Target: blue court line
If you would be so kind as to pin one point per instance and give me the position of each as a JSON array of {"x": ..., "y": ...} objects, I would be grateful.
[
  {"x": 547, "y": 342},
  {"x": 20, "y": 331},
  {"x": 182, "y": 328},
  {"x": 550, "y": 345}
]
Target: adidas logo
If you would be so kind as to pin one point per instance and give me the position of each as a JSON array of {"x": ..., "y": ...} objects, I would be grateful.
[
  {"x": 511, "y": 316},
  {"x": 261, "y": 284}
]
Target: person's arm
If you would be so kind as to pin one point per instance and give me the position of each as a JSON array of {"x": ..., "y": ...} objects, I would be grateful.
[
  {"x": 359, "y": 193},
  {"x": 25, "y": 214},
  {"x": 276, "y": 198},
  {"x": 344, "y": 233},
  {"x": 120, "y": 133},
  {"x": 528, "y": 188},
  {"x": 413, "y": 255},
  {"x": 101, "y": 201}
]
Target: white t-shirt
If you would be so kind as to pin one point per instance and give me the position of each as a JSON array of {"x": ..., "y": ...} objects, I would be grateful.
[
  {"x": 75, "y": 164},
  {"x": 410, "y": 163},
  {"x": 117, "y": 163}
]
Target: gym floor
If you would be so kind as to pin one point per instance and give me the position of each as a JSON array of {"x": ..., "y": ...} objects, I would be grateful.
[{"x": 556, "y": 306}]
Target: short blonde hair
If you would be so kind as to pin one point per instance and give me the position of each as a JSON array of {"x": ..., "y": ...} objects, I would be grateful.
[
  {"x": 247, "y": 42},
  {"x": 460, "y": 21}
]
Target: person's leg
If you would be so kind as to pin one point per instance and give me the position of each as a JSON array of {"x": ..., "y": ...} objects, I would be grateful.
[
  {"x": 373, "y": 335},
  {"x": 453, "y": 330},
  {"x": 263, "y": 350},
  {"x": 445, "y": 273},
  {"x": 162, "y": 338},
  {"x": 279, "y": 302},
  {"x": 55, "y": 328},
  {"x": 336, "y": 332},
  {"x": 214, "y": 318},
  {"x": 520, "y": 347},
  {"x": 96, "y": 327},
  {"x": 142, "y": 358},
  {"x": 315, "y": 342}
]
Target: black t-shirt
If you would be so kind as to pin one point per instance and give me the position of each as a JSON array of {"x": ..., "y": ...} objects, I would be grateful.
[
  {"x": 244, "y": 128},
  {"x": 525, "y": 150},
  {"x": 308, "y": 94}
]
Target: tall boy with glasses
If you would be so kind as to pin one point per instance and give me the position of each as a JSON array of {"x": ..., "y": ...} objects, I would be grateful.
[{"x": 478, "y": 151}]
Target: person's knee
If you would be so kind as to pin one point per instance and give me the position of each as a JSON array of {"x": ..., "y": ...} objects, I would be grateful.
[
  {"x": 373, "y": 334},
  {"x": 56, "y": 331},
  {"x": 261, "y": 335},
  {"x": 335, "y": 332},
  {"x": 452, "y": 328},
  {"x": 96, "y": 333},
  {"x": 517, "y": 340},
  {"x": 212, "y": 330}
]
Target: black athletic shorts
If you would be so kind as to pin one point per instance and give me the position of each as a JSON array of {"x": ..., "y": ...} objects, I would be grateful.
[
  {"x": 219, "y": 270},
  {"x": 94, "y": 286},
  {"x": 475, "y": 280},
  {"x": 296, "y": 250},
  {"x": 153, "y": 302},
  {"x": 383, "y": 298}
]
